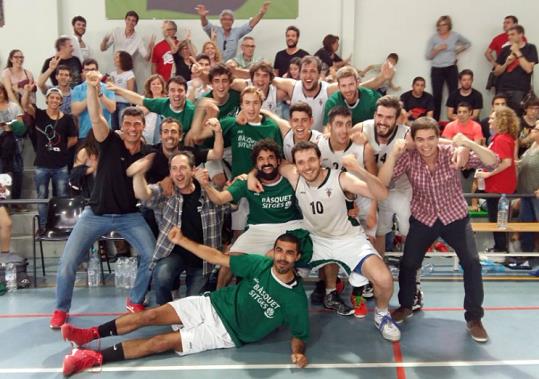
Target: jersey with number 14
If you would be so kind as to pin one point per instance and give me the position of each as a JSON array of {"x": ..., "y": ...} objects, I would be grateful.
[{"x": 324, "y": 207}]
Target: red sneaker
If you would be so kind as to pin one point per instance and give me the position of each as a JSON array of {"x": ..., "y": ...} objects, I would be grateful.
[
  {"x": 133, "y": 307},
  {"x": 58, "y": 319},
  {"x": 340, "y": 286},
  {"x": 441, "y": 247},
  {"x": 79, "y": 336},
  {"x": 80, "y": 360},
  {"x": 360, "y": 307}
]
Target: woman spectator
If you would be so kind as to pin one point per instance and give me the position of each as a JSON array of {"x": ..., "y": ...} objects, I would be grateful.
[
  {"x": 528, "y": 183},
  {"x": 14, "y": 77},
  {"x": 210, "y": 49},
  {"x": 442, "y": 51},
  {"x": 328, "y": 52},
  {"x": 154, "y": 87},
  {"x": 123, "y": 77},
  {"x": 183, "y": 59},
  {"x": 504, "y": 123},
  {"x": 293, "y": 69}
]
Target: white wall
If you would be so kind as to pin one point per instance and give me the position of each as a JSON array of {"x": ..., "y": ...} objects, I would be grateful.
[{"x": 369, "y": 29}]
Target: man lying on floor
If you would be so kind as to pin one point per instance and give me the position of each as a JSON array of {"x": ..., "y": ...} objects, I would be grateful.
[{"x": 269, "y": 296}]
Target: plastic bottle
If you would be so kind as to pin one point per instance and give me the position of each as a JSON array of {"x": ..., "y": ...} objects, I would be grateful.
[
  {"x": 132, "y": 273},
  {"x": 480, "y": 180},
  {"x": 503, "y": 212},
  {"x": 11, "y": 277},
  {"x": 118, "y": 273},
  {"x": 93, "y": 269},
  {"x": 427, "y": 269}
]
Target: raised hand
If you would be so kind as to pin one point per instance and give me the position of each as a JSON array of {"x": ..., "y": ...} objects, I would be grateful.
[
  {"x": 201, "y": 175},
  {"x": 201, "y": 10},
  {"x": 141, "y": 166},
  {"x": 93, "y": 78},
  {"x": 399, "y": 148},
  {"x": 214, "y": 125}
]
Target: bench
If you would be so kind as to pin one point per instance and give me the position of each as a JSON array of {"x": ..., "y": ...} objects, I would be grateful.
[{"x": 511, "y": 227}]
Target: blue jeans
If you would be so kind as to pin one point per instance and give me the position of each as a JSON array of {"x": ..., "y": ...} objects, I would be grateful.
[
  {"x": 88, "y": 229},
  {"x": 529, "y": 212},
  {"x": 59, "y": 178},
  {"x": 166, "y": 277}
]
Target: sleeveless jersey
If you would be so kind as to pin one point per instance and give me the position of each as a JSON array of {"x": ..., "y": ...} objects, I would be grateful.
[
  {"x": 381, "y": 150},
  {"x": 317, "y": 102},
  {"x": 288, "y": 142},
  {"x": 324, "y": 207},
  {"x": 270, "y": 103},
  {"x": 332, "y": 159}
]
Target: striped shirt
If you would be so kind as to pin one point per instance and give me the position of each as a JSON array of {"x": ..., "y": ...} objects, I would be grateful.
[{"x": 438, "y": 194}]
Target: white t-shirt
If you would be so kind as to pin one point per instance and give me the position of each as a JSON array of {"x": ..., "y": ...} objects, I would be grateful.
[{"x": 120, "y": 79}]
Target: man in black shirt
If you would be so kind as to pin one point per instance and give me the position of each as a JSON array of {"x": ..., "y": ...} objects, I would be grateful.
[
  {"x": 417, "y": 102},
  {"x": 514, "y": 68},
  {"x": 283, "y": 57},
  {"x": 498, "y": 101},
  {"x": 64, "y": 56},
  {"x": 465, "y": 94},
  {"x": 113, "y": 205}
]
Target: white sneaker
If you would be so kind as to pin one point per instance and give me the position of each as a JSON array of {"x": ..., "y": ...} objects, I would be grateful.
[{"x": 388, "y": 328}]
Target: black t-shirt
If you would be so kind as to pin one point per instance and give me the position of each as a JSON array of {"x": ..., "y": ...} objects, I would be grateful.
[
  {"x": 182, "y": 69},
  {"x": 517, "y": 79},
  {"x": 417, "y": 106},
  {"x": 113, "y": 189},
  {"x": 50, "y": 138},
  {"x": 475, "y": 99},
  {"x": 485, "y": 128},
  {"x": 74, "y": 65},
  {"x": 282, "y": 60},
  {"x": 326, "y": 57},
  {"x": 522, "y": 132},
  {"x": 160, "y": 170},
  {"x": 191, "y": 226}
]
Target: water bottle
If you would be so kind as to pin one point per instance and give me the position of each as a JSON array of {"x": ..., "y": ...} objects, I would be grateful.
[
  {"x": 132, "y": 273},
  {"x": 427, "y": 269},
  {"x": 93, "y": 269},
  {"x": 11, "y": 277},
  {"x": 503, "y": 212},
  {"x": 118, "y": 273},
  {"x": 480, "y": 180}
]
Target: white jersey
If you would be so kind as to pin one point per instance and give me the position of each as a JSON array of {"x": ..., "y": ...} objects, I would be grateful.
[
  {"x": 324, "y": 207},
  {"x": 317, "y": 103},
  {"x": 270, "y": 102},
  {"x": 332, "y": 159},
  {"x": 382, "y": 150},
  {"x": 288, "y": 142}
]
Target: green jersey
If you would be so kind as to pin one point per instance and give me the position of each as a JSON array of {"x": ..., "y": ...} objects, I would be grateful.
[
  {"x": 242, "y": 138},
  {"x": 162, "y": 106},
  {"x": 231, "y": 106},
  {"x": 276, "y": 205},
  {"x": 260, "y": 303},
  {"x": 363, "y": 109}
]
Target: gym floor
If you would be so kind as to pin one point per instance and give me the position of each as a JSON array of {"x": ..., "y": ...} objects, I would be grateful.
[{"x": 435, "y": 343}]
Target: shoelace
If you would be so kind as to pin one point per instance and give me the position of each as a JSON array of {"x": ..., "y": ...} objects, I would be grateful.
[{"x": 388, "y": 320}]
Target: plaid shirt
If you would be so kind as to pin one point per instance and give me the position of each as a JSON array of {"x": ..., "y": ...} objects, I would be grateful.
[
  {"x": 436, "y": 195},
  {"x": 168, "y": 213}
]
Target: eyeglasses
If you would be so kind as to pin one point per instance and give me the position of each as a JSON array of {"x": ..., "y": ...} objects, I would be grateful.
[
  {"x": 18, "y": 57},
  {"x": 250, "y": 46}
]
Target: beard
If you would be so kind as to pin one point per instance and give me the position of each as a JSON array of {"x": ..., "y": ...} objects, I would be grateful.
[
  {"x": 390, "y": 130},
  {"x": 292, "y": 44},
  {"x": 267, "y": 175}
]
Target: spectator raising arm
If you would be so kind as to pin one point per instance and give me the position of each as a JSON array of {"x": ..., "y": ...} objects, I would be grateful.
[
  {"x": 256, "y": 19},
  {"x": 99, "y": 123}
]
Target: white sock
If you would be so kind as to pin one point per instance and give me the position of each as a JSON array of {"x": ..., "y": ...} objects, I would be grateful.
[
  {"x": 379, "y": 314},
  {"x": 330, "y": 290}
]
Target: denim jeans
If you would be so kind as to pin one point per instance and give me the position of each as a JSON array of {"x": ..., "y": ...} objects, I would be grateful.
[
  {"x": 459, "y": 236},
  {"x": 166, "y": 277},
  {"x": 88, "y": 229},
  {"x": 59, "y": 178},
  {"x": 529, "y": 212}
]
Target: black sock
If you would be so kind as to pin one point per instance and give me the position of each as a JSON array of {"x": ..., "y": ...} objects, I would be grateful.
[
  {"x": 357, "y": 291},
  {"x": 114, "y": 353},
  {"x": 107, "y": 329}
]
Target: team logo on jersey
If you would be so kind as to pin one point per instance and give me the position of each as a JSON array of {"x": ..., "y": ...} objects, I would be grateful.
[
  {"x": 328, "y": 192},
  {"x": 321, "y": 102}
]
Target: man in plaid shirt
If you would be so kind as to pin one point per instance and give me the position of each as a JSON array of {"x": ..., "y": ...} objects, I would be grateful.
[
  {"x": 438, "y": 210},
  {"x": 188, "y": 207}
]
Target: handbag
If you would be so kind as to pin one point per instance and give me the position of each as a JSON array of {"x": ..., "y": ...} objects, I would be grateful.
[{"x": 491, "y": 80}]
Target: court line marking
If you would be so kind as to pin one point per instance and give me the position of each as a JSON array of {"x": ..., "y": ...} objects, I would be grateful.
[
  {"x": 426, "y": 309},
  {"x": 397, "y": 357},
  {"x": 516, "y": 362}
]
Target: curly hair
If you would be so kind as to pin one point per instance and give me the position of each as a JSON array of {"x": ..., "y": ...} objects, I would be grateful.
[
  {"x": 218, "y": 56},
  {"x": 506, "y": 121}
]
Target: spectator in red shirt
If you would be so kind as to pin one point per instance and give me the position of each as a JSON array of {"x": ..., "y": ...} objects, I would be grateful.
[
  {"x": 500, "y": 41},
  {"x": 504, "y": 123},
  {"x": 438, "y": 210},
  {"x": 162, "y": 54},
  {"x": 464, "y": 124}
]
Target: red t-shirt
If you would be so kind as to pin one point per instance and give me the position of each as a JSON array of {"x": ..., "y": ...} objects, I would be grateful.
[
  {"x": 163, "y": 60},
  {"x": 470, "y": 129},
  {"x": 506, "y": 181},
  {"x": 499, "y": 42}
]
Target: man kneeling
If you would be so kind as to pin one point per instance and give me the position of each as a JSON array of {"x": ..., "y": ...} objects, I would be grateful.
[{"x": 269, "y": 296}]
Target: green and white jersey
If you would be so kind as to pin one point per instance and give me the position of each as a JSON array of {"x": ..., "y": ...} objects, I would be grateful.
[
  {"x": 324, "y": 207},
  {"x": 242, "y": 138},
  {"x": 260, "y": 303},
  {"x": 362, "y": 110},
  {"x": 231, "y": 107},
  {"x": 276, "y": 205},
  {"x": 162, "y": 106}
]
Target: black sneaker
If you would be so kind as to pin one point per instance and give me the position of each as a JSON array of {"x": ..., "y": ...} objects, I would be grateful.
[
  {"x": 318, "y": 294},
  {"x": 368, "y": 291},
  {"x": 334, "y": 301},
  {"x": 418, "y": 300}
]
